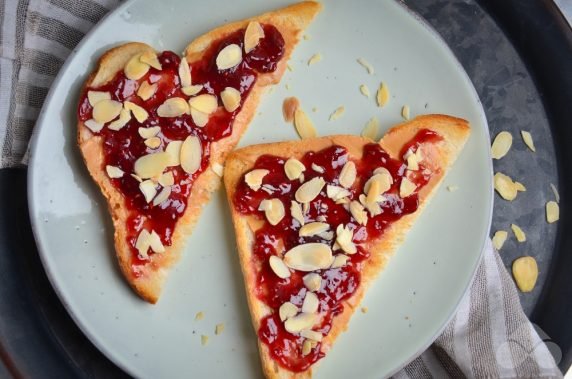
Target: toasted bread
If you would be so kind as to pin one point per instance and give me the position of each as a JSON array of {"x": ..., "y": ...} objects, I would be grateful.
[
  {"x": 454, "y": 133},
  {"x": 290, "y": 22}
]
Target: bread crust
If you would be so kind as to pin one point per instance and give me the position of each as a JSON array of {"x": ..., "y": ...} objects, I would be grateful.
[
  {"x": 455, "y": 133},
  {"x": 290, "y": 21}
]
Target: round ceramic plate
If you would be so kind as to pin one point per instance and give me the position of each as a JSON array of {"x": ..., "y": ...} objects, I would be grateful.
[{"x": 414, "y": 297}]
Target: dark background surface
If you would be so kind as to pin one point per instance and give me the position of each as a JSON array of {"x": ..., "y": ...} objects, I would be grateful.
[{"x": 518, "y": 55}]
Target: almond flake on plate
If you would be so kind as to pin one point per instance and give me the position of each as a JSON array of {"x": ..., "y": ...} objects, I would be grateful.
[
  {"x": 452, "y": 188},
  {"x": 505, "y": 186},
  {"x": 219, "y": 328},
  {"x": 371, "y": 129},
  {"x": 199, "y": 316},
  {"x": 518, "y": 233},
  {"x": 366, "y": 65},
  {"x": 501, "y": 145},
  {"x": 364, "y": 90},
  {"x": 527, "y": 138},
  {"x": 337, "y": 113},
  {"x": 314, "y": 59},
  {"x": 304, "y": 125},
  {"x": 552, "y": 212},
  {"x": 499, "y": 239},
  {"x": 405, "y": 112},
  {"x": 382, "y": 95},
  {"x": 525, "y": 272}
]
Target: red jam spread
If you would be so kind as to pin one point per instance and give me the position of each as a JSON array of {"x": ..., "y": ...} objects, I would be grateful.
[
  {"x": 123, "y": 147},
  {"x": 338, "y": 284}
]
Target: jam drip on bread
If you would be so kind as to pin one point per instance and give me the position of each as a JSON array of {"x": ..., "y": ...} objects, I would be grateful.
[
  {"x": 170, "y": 110},
  {"x": 313, "y": 220}
]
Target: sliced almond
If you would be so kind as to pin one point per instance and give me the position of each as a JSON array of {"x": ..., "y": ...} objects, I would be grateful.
[
  {"x": 205, "y": 103},
  {"x": 525, "y": 272},
  {"x": 173, "y": 107},
  {"x": 146, "y": 90},
  {"x": 406, "y": 188},
  {"x": 139, "y": 112},
  {"x": 311, "y": 335},
  {"x": 229, "y": 57},
  {"x": 499, "y": 239},
  {"x": 147, "y": 187},
  {"x": 505, "y": 186},
  {"x": 114, "y": 172},
  {"x": 337, "y": 113},
  {"x": 366, "y": 65},
  {"x": 287, "y": 310},
  {"x": 405, "y": 112},
  {"x": 95, "y": 97},
  {"x": 136, "y": 177},
  {"x": 370, "y": 129},
  {"x": 124, "y": 118},
  {"x": 336, "y": 193},
  {"x": 143, "y": 243},
  {"x": 552, "y": 212},
  {"x": 340, "y": 260},
  {"x": 253, "y": 34},
  {"x": 166, "y": 179},
  {"x": 344, "y": 238},
  {"x": 204, "y": 340},
  {"x": 312, "y": 281},
  {"x": 106, "y": 110},
  {"x": 174, "y": 150},
  {"x": 318, "y": 169},
  {"x": 382, "y": 95},
  {"x": 311, "y": 303},
  {"x": 300, "y": 322},
  {"x": 151, "y": 165},
  {"x": 230, "y": 99},
  {"x": 358, "y": 212},
  {"x": 452, "y": 188},
  {"x": 289, "y": 107},
  {"x": 162, "y": 196},
  {"x": 304, "y": 125},
  {"x": 93, "y": 125},
  {"x": 293, "y": 168},
  {"x": 199, "y": 118},
  {"x": 184, "y": 73},
  {"x": 217, "y": 169},
  {"x": 219, "y": 328},
  {"x": 135, "y": 69},
  {"x": 279, "y": 268},
  {"x": 313, "y": 228},
  {"x": 150, "y": 58},
  {"x": 384, "y": 180},
  {"x": 310, "y": 190},
  {"x": 348, "y": 174},
  {"x": 192, "y": 90},
  {"x": 314, "y": 59},
  {"x": 155, "y": 243},
  {"x": 296, "y": 212},
  {"x": 527, "y": 138},
  {"x": 309, "y": 257},
  {"x": 413, "y": 159},
  {"x": 373, "y": 208},
  {"x": 151, "y": 132},
  {"x": 364, "y": 90},
  {"x": 191, "y": 154},
  {"x": 501, "y": 145},
  {"x": 518, "y": 233},
  {"x": 254, "y": 178},
  {"x": 306, "y": 348},
  {"x": 273, "y": 210}
]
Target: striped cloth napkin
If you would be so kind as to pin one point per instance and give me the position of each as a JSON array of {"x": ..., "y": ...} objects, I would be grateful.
[{"x": 489, "y": 337}]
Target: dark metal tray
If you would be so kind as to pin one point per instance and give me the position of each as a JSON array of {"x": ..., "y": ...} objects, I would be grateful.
[{"x": 519, "y": 56}]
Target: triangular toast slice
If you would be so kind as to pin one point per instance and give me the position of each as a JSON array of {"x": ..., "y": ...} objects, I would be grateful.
[
  {"x": 316, "y": 221},
  {"x": 154, "y": 130}
]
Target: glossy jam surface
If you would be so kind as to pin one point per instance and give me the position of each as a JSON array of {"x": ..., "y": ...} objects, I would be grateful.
[
  {"x": 122, "y": 148},
  {"x": 338, "y": 284}
]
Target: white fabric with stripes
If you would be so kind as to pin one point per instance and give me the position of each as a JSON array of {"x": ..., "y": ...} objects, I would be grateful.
[{"x": 489, "y": 336}]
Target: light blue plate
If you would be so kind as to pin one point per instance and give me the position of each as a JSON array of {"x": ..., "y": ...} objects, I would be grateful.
[{"x": 410, "y": 303}]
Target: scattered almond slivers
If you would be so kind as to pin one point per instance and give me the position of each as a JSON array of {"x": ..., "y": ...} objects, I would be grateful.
[
  {"x": 311, "y": 335},
  {"x": 167, "y": 179},
  {"x": 254, "y": 178},
  {"x": 501, "y": 145},
  {"x": 293, "y": 168},
  {"x": 527, "y": 138},
  {"x": 287, "y": 310},
  {"x": 552, "y": 212},
  {"x": 311, "y": 303},
  {"x": 173, "y": 107},
  {"x": 364, "y": 90},
  {"x": 191, "y": 154},
  {"x": 151, "y": 132},
  {"x": 406, "y": 188},
  {"x": 217, "y": 169},
  {"x": 184, "y": 73},
  {"x": 380, "y": 182},
  {"x": 314, "y": 59},
  {"x": 273, "y": 210},
  {"x": 106, "y": 110},
  {"x": 525, "y": 272},
  {"x": 382, "y": 95},
  {"x": 296, "y": 212},
  {"x": 229, "y": 57},
  {"x": 313, "y": 228},
  {"x": 153, "y": 142},
  {"x": 219, "y": 328},
  {"x": 135, "y": 69},
  {"x": 366, "y": 65},
  {"x": 340, "y": 260},
  {"x": 336, "y": 193},
  {"x": 312, "y": 281},
  {"x": 162, "y": 196},
  {"x": 95, "y": 97},
  {"x": 192, "y": 89},
  {"x": 204, "y": 340},
  {"x": 147, "y": 240},
  {"x": 93, "y": 125},
  {"x": 252, "y": 36},
  {"x": 205, "y": 103},
  {"x": 505, "y": 186},
  {"x": 304, "y": 125},
  {"x": 124, "y": 118},
  {"x": 174, "y": 150},
  {"x": 348, "y": 174},
  {"x": 413, "y": 159},
  {"x": 405, "y": 112},
  {"x": 151, "y": 165},
  {"x": 289, "y": 107},
  {"x": 138, "y": 112},
  {"x": 337, "y": 113},
  {"x": 344, "y": 238},
  {"x": 358, "y": 212},
  {"x": 199, "y": 316},
  {"x": 452, "y": 188},
  {"x": 309, "y": 257},
  {"x": 150, "y": 58},
  {"x": 300, "y": 322},
  {"x": 499, "y": 239},
  {"x": 149, "y": 190},
  {"x": 518, "y": 233},
  {"x": 146, "y": 90},
  {"x": 199, "y": 118},
  {"x": 230, "y": 99},
  {"x": 114, "y": 172},
  {"x": 279, "y": 268},
  {"x": 370, "y": 129},
  {"x": 310, "y": 190}
]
